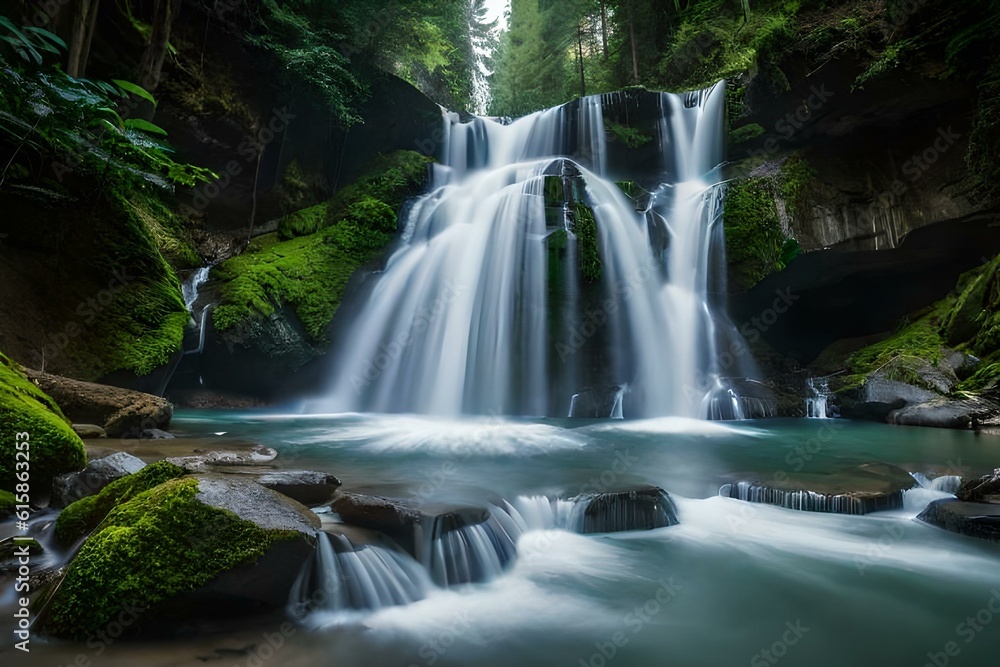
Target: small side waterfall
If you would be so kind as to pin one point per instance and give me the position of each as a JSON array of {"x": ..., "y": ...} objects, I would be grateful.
[
  {"x": 190, "y": 287},
  {"x": 816, "y": 405},
  {"x": 344, "y": 576},
  {"x": 472, "y": 553}
]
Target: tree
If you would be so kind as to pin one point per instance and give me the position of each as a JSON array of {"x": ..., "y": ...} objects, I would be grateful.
[{"x": 151, "y": 65}]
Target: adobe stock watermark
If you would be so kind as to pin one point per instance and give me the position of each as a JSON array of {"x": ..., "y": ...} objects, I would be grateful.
[
  {"x": 437, "y": 646},
  {"x": 88, "y": 310},
  {"x": 773, "y": 654},
  {"x": 389, "y": 353},
  {"x": 634, "y": 621},
  {"x": 970, "y": 628},
  {"x": 596, "y": 319},
  {"x": 250, "y": 149}
]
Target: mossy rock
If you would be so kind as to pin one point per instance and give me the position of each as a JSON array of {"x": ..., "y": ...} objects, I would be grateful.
[
  {"x": 390, "y": 181},
  {"x": 7, "y": 504},
  {"x": 54, "y": 447},
  {"x": 755, "y": 242},
  {"x": 84, "y": 515},
  {"x": 585, "y": 228},
  {"x": 163, "y": 546}
]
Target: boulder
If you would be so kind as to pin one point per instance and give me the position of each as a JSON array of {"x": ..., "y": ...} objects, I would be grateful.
[
  {"x": 122, "y": 412},
  {"x": 981, "y": 520},
  {"x": 986, "y": 489},
  {"x": 191, "y": 548},
  {"x": 943, "y": 412},
  {"x": 408, "y": 525},
  {"x": 861, "y": 489},
  {"x": 306, "y": 486},
  {"x": 70, "y": 487},
  {"x": 214, "y": 460},
  {"x": 86, "y": 431},
  {"x": 53, "y": 446},
  {"x": 643, "y": 508},
  {"x": 155, "y": 434}
]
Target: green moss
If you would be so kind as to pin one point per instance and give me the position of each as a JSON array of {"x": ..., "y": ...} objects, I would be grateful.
[
  {"x": 7, "y": 504},
  {"x": 585, "y": 228},
  {"x": 150, "y": 549},
  {"x": 390, "y": 180},
  {"x": 919, "y": 340},
  {"x": 629, "y": 136},
  {"x": 746, "y": 133},
  {"x": 755, "y": 243},
  {"x": 309, "y": 273},
  {"x": 307, "y": 221},
  {"x": 796, "y": 176},
  {"x": 85, "y": 514},
  {"x": 54, "y": 447}
]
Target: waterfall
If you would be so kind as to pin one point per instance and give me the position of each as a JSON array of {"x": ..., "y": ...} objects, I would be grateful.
[
  {"x": 344, "y": 576},
  {"x": 809, "y": 501},
  {"x": 189, "y": 288},
  {"x": 526, "y": 274},
  {"x": 816, "y": 407}
]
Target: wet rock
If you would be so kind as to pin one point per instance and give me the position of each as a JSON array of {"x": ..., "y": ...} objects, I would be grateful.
[
  {"x": 863, "y": 489},
  {"x": 214, "y": 460},
  {"x": 155, "y": 434},
  {"x": 642, "y": 508},
  {"x": 410, "y": 526},
  {"x": 193, "y": 548},
  {"x": 981, "y": 520},
  {"x": 942, "y": 412},
  {"x": 122, "y": 412},
  {"x": 70, "y": 487},
  {"x": 86, "y": 431},
  {"x": 879, "y": 396},
  {"x": 986, "y": 489},
  {"x": 306, "y": 486}
]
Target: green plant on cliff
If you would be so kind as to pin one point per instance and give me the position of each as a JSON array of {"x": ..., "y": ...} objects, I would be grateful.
[
  {"x": 149, "y": 549},
  {"x": 325, "y": 245},
  {"x": 629, "y": 136},
  {"x": 53, "y": 446},
  {"x": 585, "y": 228},
  {"x": 755, "y": 242},
  {"x": 796, "y": 177}
]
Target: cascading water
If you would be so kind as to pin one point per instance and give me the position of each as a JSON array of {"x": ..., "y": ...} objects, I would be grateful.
[
  {"x": 345, "y": 577},
  {"x": 816, "y": 404},
  {"x": 526, "y": 275}
]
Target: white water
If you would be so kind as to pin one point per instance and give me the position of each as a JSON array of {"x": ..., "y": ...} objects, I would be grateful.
[
  {"x": 459, "y": 321},
  {"x": 816, "y": 407},
  {"x": 189, "y": 288}
]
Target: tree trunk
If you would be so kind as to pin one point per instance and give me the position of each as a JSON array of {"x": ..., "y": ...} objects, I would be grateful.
[
  {"x": 631, "y": 38},
  {"x": 78, "y": 36},
  {"x": 151, "y": 66},
  {"x": 604, "y": 28},
  {"x": 579, "y": 46},
  {"x": 91, "y": 26}
]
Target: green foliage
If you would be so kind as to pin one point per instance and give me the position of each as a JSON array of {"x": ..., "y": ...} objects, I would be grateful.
[
  {"x": 150, "y": 549},
  {"x": 86, "y": 514},
  {"x": 983, "y": 156},
  {"x": 77, "y": 125},
  {"x": 7, "y": 504},
  {"x": 307, "y": 221},
  {"x": 30, "y": 42},
  {"x": 746, "y": 133},
  {"x": 585, "y": 228},
  {"x": 630, "y": 136},
  {"x": 54, "y": 447},
  {"x": 796, "y": 177},
  {"x": 919, "y": 340},
  {"x": 390, "y": 181},
  {"x": 755, "y": 243}
]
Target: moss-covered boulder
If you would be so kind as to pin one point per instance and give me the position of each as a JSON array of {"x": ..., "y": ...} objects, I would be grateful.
[
  {"x": 53, "y": 446},
  {"x": 85, "y": 514},
  {"x": 191, "y": 547}
]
